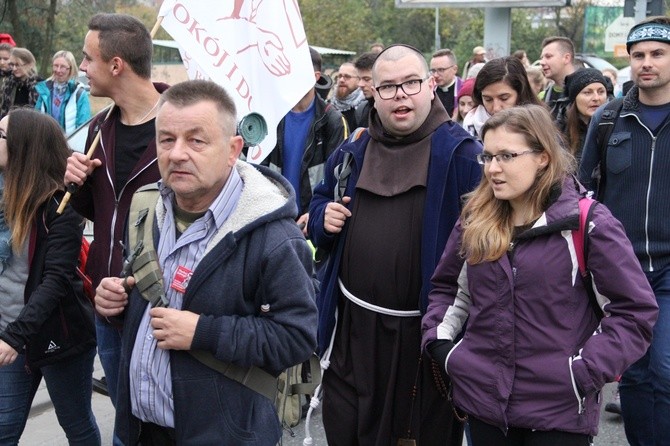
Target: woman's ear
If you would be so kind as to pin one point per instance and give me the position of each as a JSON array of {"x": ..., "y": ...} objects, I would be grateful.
[{"x": 544, "y": 159}]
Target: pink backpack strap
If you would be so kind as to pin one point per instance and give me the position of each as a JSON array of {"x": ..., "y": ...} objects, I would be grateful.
[
  {"x": 579, "y": 236},
  {"x": 580, "y": 240}
]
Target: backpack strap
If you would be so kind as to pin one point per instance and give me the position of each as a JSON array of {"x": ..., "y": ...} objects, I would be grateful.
[
  {"x": 548, "y": 93},
  {"x": 605, "y": 128},
  {"x": 343, "y": 170},
  {"x": 252, "y": 377},
  {"x": 310, "y": 387},
  {"x": 580, "y": 239},
  {"x": 143, "y": 260}
]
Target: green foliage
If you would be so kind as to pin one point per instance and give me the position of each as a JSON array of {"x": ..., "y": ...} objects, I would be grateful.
[
  {"x": 398, "y": 25},
  {"x": 528, "y": 37},
  {"x": 72, "y": 25},
  {"x": 355, "y": 24},
  {"x": 27, "y": 21},
  {"x": 342, "y": 24},
  {"x": 465, "y": 31}
]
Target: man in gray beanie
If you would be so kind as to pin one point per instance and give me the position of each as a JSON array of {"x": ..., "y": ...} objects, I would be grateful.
[{"x": 634, "y": 184}]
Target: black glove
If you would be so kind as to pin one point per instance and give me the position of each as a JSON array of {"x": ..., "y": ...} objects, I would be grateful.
[{"x": 439, "y": 349}]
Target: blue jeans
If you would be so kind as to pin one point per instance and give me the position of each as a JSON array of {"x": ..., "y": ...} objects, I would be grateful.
[
  {"x": 109, "y": 350},
  {"x": 645, "y": 386},
  {"x": 69, "y": 385}
]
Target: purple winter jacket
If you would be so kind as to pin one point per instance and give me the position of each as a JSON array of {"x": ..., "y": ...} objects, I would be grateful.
[{"x": 534, "y": 354}]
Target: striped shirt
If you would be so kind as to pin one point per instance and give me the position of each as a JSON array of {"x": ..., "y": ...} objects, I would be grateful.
[{"x": 150, "y": 375}]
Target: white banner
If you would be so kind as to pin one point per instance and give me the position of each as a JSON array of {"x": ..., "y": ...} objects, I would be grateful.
[{"x": 256, "y": 49}]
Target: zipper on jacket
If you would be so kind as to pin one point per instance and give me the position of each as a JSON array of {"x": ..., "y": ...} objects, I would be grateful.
[
  {"x": 651, "y": 165},
  {"x": 646, "y": 204},
  {"x": 581, "y": 401},
  {"x": 116, "y": 204},
  {"x": 111, "y": 238}
]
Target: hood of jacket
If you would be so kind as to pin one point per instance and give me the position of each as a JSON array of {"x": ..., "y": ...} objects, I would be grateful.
[
  {"x": 266, "y": 196},
  {"x": 561, "y": 211}
]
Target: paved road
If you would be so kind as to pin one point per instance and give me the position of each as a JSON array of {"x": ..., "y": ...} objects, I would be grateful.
[{"x": 42, "y": 428}]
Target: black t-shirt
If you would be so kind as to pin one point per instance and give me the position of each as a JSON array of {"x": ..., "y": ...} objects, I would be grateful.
[
  {"x": 131, "y": 142},
  {"x": 22, "y": 96}
]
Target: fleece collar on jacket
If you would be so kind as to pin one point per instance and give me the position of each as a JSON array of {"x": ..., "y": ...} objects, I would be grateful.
[
  {"x": 266, "y": 196},
  {"x": 631, "y": 102}
]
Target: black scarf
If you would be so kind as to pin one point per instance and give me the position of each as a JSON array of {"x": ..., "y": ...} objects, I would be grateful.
[{"x": 9, "y": 92}]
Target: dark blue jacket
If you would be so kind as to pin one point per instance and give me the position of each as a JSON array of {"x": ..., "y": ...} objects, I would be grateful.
[
  {"x": 636, "y": 178},
  {"x": 452, "y": 172},
  {"x": 259, "y": 256}
]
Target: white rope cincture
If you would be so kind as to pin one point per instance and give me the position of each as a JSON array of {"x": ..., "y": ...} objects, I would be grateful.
[
  {"x": 316, "y": 399},
  {"x": 376, "y": 308}
]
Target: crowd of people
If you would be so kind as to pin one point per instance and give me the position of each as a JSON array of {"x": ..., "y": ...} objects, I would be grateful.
[
  {"x": 61, "y": 95},
  {"x": 460, "y": 280}
]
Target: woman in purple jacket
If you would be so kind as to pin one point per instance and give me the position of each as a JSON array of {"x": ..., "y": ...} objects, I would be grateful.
[{"x": 530, "y": 366}]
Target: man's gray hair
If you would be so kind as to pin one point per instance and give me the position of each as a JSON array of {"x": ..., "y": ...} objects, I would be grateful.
[{"x": 191, "y": 92}]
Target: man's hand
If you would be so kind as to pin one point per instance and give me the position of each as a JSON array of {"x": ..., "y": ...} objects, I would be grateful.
[
  {"x": 78, "y": 168},
  {"x": 272, "y": 54},
  {"x": 111, "y": 297},
  {"x": 173, "y": 329},
  {"x": 7, "y": 354},
  {"x": 302, "y": 223},
  {"x": 335, "y": 216}
]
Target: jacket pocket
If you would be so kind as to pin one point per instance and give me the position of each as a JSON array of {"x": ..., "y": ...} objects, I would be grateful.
[
  {"x": 619, "y": 151},
  {"x": 581, "y": 401},
  {"x": 235, "y": 415},
  {"x": 446, "y": 362}
]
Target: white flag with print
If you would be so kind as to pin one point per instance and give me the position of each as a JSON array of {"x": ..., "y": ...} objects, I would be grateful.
[{"x": 256, "y": 49}]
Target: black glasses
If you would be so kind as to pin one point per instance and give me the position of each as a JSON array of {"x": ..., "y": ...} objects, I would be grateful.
[
  {"x": 410, "y": 88},
  {"x": 502, "y": 158},
  {"x": 440, "y": 70}
]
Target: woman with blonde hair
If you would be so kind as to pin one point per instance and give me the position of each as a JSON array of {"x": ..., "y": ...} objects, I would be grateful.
[
  {"x": 19, "y": 89},
  {"x": 46, "y": 321},
  {"x": 537, "y": 350},
  {"x": 536, "y": 79},
  {"x": 61, "y": 96}
]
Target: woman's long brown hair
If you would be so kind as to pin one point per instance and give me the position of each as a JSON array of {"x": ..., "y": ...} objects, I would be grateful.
[{"x": 37, "y": 155}]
